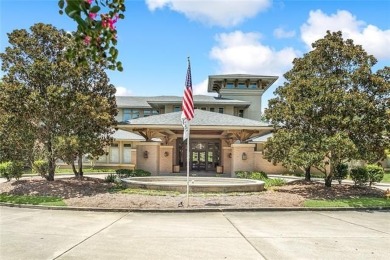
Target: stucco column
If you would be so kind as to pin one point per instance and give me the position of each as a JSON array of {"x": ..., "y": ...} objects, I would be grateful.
[
  {"x": 148, "y": 157},
  {"x": 242, "y": 158},
  {"x": 227, "y": 159},
  {"x": 166, "y": 159}
]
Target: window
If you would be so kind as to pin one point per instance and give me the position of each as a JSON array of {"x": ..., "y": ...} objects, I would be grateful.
[
  {"x": 241, "y": 113},
  {"x": 220, "y": 110},
  {"x": 229, "y": 85},
  {"x": 252, "y": 85},
  {"x": 129, "y": 114},
  {"x": 212, "y": 109},
  {"x": 150, "y": 112},
  {"x": 176, "y": 108},
  {"x": 127, "y": 153},
  {"x": 203, "y": 108},
  {"x": 241, "y": 85},
  {"x": 114, "y": 153}
]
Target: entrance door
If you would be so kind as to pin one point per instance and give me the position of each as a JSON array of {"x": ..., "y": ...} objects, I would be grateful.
[{"x": 198, "y": 160}]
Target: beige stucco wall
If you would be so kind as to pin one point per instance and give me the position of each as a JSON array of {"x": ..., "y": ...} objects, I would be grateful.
[
  {"x": 238, "y": 164},
  {"x": 261, "y": 164},
  {"x": 166, "y": 159},
  {"x": 151, "y": 163}
]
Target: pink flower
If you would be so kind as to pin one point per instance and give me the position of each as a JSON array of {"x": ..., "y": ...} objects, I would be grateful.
[
  {"x": 89, "y": 1},
  {"x": 87, "y": 40},
  {"x": 92, "y": 16}
]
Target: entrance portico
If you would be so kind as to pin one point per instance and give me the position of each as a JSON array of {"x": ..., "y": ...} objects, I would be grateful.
[{"x": 213, "y": 139}]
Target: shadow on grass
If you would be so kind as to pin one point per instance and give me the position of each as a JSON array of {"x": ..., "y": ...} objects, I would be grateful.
[{"x": 348, "y": 202}]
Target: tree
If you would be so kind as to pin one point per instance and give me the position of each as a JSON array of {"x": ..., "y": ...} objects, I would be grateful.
[
  {"x": 294, "y": 150},
  {"x": 335, "y": 103},
  {"x": 57, "y": 98}
]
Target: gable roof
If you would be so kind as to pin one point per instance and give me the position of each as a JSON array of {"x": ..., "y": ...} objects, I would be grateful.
[{"x": 202, "y": 119}]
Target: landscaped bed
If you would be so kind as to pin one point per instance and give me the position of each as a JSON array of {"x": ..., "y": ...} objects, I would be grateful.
[{"x": 94, "y": 192}]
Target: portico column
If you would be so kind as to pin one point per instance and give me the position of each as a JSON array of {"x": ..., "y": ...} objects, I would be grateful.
[{"x": 148, "y": 157}]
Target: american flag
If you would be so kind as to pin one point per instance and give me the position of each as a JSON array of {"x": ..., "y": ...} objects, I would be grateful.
[{"x": 188, "y": 101}]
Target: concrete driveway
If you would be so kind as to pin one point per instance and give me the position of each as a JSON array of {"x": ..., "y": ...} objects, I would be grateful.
[{"x": 53, "y": 234}]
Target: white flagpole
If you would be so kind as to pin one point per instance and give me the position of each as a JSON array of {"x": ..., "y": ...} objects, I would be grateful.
[{"x": 188, "y": 163}]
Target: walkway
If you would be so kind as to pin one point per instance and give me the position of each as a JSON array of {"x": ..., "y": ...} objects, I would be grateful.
[{"x": 53, "y": 234}]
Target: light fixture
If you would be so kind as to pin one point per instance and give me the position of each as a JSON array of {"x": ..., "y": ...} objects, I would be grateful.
[
  {"x": 146, "y": 154},
  {"x": 166, "y": 154},
  {"x": 244, "y": 156},
  {"x": 230, "y": 155}
]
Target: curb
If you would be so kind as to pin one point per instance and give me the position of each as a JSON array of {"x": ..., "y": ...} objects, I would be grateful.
[{"x": 192, "y": 210}]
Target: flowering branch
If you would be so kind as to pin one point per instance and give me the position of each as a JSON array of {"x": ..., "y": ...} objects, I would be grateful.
[{"x": 96, "y": 28}]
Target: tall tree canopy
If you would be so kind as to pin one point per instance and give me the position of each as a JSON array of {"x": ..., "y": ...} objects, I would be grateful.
[
  {"x": 334, "y": 105},
  {"x": 55, "y": 99}
]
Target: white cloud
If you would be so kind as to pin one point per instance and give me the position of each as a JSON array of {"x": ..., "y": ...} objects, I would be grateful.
[
  {"x": 201, "y": 88},
  {"x": 213, "y": 12},
  {"x": 281, "y": 33},
  {"x": 374, "y": 40},
  {"x": 240, "y": 52},
  {"x": 122, "y": 91}
]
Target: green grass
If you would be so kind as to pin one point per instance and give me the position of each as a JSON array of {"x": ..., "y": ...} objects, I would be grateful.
[
  {"x": 355, "y": 202},
  {"x": 386, "y": 177},
  {"x": 33, "y": 200}
]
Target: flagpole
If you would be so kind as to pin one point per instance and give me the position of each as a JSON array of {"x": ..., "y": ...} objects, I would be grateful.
[{"x": 188, "y": 164}]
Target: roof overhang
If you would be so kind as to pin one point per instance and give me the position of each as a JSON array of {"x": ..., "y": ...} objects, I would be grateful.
[{"x": 217, "y": 82}]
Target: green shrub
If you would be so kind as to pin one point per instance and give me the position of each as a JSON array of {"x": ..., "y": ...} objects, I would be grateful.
[
  {"x": 274, "y": 182},
  {"x": 375, "y": 173},
  {"x": 123, "y": 173},
  {"x": 11, "y": 170},
  {"x": 341, "y": 172},
  {"x": 140, "y": 173},
  {"x": 359, "y": 176},
  {"x": 110, "y": 178},
  {"x": 251, "y": 175},
  {"x": 40, "y": 167}
]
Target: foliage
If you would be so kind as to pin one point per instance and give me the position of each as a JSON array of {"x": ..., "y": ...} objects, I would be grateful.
[
  {"x": 33, "y": 200},
  {"x": 331, "y": 109},
  {"x": 359, "y": 176},
  {"x": 67, "y": 109},
  {"x": 123, "y": 172},
  {"x": 386, "y": 177},
  {"x": 352, "y": 202},
  {"x": 96, "y": 29},
  {"x": 375, "y": 173},
  {"x": 256, "y": 175},
  {"x": 262, "y": 176},
  {"x": 341, "y": 172},
  {"x": 41, "y": 167},
  {"x": 11, "y": 169},
  {"x": 111, "y": 178}
]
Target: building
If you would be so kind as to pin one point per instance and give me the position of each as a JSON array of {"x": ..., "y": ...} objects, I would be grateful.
[{"x": 150, "y": 134}]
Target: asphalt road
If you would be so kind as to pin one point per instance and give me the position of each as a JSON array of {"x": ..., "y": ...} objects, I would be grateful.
[{"x": 55, "y": 234}]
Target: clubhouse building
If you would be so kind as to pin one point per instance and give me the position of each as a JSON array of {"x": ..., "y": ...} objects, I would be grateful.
[{"x": 226, "y": 134}]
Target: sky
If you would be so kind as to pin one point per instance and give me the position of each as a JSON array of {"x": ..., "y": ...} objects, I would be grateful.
[{"x": 260, "y": 37}]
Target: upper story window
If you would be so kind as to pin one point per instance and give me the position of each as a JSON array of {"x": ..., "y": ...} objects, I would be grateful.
[
  {"x": 212, "y": 109},
  {"x": 252, "y": 85},
  {"x": 220, "y": 110},
  {"x": 130, "y": 113},
  {"x": 241, "y": 85},
  {"x": 176, "y": 108},
  {"x": 150, "y": 112},
  {"x": 229, "y": 85},
  {"x": 241, "y": 113},
  {"x": 203, "y": 108}
]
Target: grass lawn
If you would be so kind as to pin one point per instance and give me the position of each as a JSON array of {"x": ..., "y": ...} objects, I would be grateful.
[
  {"x": 386, "y": 177},
  {"x": 33, "y": 200},
  {"x": 355, "y": 202}
]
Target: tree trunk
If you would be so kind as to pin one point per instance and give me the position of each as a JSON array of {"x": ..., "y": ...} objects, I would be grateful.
[
  {"x": 307, "y": 174},
  {"x": 80, "y": 162},
  {"x": 328, "y": 181},
  {"x": 76, "y": 174},
  {"x": 51, "y": 162}
]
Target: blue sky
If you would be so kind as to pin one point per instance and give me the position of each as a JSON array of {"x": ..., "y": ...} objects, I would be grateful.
[{"x": 221, "y": 36}]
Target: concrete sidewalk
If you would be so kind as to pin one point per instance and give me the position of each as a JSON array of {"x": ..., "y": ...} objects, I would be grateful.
[{"x": 47, "y": 234}]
